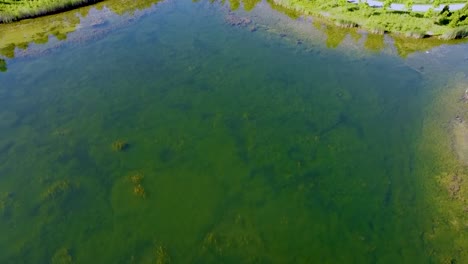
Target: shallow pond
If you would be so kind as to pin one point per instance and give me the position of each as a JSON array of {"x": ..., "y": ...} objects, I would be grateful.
[{"x": 182, "y": 132}]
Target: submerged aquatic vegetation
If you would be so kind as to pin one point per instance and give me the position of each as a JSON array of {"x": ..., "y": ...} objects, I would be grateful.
[
  {"x": 162, "y": 256},
  {"x": 138, "y": 190},
  {"x": 57, "y": 189},
  {"x": 62, "y": 256},
  {"x": 61, "y": 132},
  {"x": 136, "y": 177},
  {"x": 236, "y": 236},
  {"x": 120, "y": 145},
  {"x": 245, "y": 165}
]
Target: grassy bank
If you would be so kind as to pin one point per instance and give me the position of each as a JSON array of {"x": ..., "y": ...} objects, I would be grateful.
[
  {"x": 444, "y": 25},
  {"x": 13, "y": 10}
]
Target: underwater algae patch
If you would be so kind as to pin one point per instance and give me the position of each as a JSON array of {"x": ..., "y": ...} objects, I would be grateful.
[
  {"x": 120, "y": 145},
  {"x": 62, "y": 256},
  {"x": 57, "y": 189}
]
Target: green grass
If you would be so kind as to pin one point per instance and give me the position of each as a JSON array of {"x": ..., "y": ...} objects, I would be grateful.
[{"x": 13, "y": 10}]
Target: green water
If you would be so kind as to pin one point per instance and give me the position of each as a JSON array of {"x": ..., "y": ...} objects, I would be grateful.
[{"x": 251, "y": 149}]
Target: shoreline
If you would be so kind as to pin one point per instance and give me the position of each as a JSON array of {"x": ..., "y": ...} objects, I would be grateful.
[
  {"x": 424, "y": 21},
  {"x": 446, "y": 26},
  {"x": 19, "y": 37}
]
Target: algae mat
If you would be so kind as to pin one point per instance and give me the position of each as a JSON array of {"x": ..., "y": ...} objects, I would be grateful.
[{"x": 179, "y": 138}]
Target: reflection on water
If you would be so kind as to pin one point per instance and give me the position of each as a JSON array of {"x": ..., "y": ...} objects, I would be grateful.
[
  {"x": 94, "y": 19},
  {"x": 191, "y": 137},
  {"x": 3, "y": 65},
  {"x": 20, "y": 35},
  {"x": 248, "y": 5},
  {"x": 375, "y": 42},
  {"x": 293, "y": 14}
]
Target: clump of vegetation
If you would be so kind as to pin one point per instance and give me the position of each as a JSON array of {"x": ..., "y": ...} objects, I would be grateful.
[
  {"x": 138, "y": 189},
  {"x": 345, "y": 24},
  {"x": 136, "y": 177},
  {"x": 56, "y": 190},
  {"x": 238, "y": 234},
  {"x": 162, "y": 256},
  {"x": 458, "y": 33},
  {"x": 62, "y": 256},
  {"x": 415, "y": 34},
  {"x": 120, "y": 145},
  {"x": 453, "y": 19}
]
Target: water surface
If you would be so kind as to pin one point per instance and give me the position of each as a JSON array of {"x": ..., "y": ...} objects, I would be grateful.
[{"x": 251, "y": 146}]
